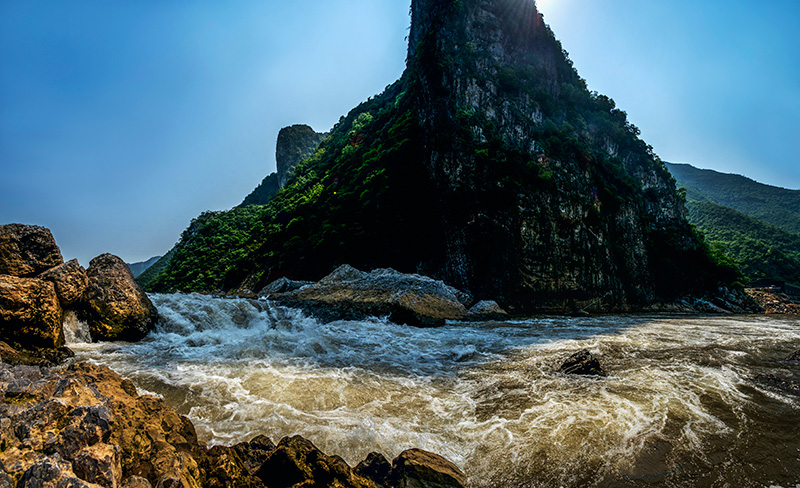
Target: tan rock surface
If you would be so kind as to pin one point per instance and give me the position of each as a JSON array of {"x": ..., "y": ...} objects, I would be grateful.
[
  {"x": 30, "y": 313},
  {"x": 27, "y": 250}
]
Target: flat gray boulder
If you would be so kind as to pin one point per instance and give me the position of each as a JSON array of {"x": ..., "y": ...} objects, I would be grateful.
[
  {"x": 486, "y": 310},
  {"x": 350, "y": 294}
]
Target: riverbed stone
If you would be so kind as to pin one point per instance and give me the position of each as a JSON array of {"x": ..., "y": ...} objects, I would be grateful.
[
  {"x": 30, "y": 313},
  {"x": 70, "y": 280},
  {"x": 582, "y": 363},
  {"x": 27, "y": 250},
  {"x": 114, "y": 305},
  {"x": 348, "y": 293},
  {"x": 486, "y": 310},
  {"x": 416, "y": 468}
]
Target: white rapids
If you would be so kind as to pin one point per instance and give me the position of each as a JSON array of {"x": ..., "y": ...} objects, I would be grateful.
[{"x": 678, "y": 408}]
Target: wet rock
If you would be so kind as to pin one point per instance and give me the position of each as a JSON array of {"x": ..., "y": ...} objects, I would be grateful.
[
  {"x": 296, "y": 461},
  {"x": 114, "y": 305},
  {"x": 411, "y": 299},
  {"x": 100, "y": 464},
  {"x": 5, "y": 479},
  {"x": 70, "y": 280},
  {"x": 136, "y": 482},
  {"x": 27, "y": 250},
  {"x": 34, "y": 356},
  {"x": 375, "y": 467},
  {"x": 52, "y": 472},
  {"x": 283, "y": 285},
  {"x": 254, "y": 453},
  {"x": 224, "y": 468},
  {"x": 486, "y": 310},
  {"x": 795, "y": 356},
  {"x": 415, "y": 468},
  {"x": 30, "y": 313},
  {"x": 582, "y": 363}
]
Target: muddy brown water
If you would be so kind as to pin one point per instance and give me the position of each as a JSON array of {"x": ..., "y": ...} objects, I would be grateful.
[{"x": 679, "y": 408}]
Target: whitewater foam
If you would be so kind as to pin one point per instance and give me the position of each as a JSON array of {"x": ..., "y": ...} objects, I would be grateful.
[{"x": 679, "y": 395}]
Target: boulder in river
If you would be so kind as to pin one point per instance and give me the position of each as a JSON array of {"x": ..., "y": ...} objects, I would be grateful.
[
  {"x": 582, "y": 363},
  {"x": 30, "y": 314},
  {"x": 375, "y": 467},
  {"x": 70, "y": 280},
  {"x": 486, "y": 310},
  {"x": 283, "y": 285},
  {"x": 422, "y": 469},
  {"x": 114, "y": 305},
  {"x": 27, "y": 250},
  {"x": 348, "y": 293}
]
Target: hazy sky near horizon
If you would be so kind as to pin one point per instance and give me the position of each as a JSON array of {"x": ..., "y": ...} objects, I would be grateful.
[{"x": 121, "y": 121}]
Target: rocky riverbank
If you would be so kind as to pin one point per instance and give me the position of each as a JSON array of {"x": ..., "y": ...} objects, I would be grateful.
[
  {"x": 84, "y": 426},
  {"x": 774, "y": 302}
]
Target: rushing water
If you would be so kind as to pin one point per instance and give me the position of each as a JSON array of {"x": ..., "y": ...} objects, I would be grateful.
[{"x": 679, "y": 407}]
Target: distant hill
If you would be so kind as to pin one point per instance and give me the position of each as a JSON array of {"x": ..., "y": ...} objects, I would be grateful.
[
  {"x": 139, "y": 268},
  {"x": 155, "y": 269},
  {"x": 763, "y": 250},
  {"x": 777, "y": 206},
  {"x": 757, "y": 225}
]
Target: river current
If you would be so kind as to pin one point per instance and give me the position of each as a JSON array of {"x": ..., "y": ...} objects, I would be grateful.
[{"x": 679, "y": 407}]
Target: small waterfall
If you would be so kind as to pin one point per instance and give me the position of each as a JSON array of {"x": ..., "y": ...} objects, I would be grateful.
[{"x": 75, "y": 330}]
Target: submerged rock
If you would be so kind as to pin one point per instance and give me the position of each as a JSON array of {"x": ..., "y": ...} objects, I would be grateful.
[
  {"x": 784, "y": 383},
  {"x": 348, "y": 293},
  {"x": 582, "y": 363},
  {"x": 70, "y": 280},
  {"x": 27, "y": 250},
  {"x": 114, "y": 305},
  {"x": 30, "y": 313}
]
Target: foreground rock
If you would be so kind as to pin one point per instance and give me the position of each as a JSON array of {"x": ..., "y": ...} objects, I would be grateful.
[
  {"x": 27, "y": 250},
  {"x": 348, "y": 293},
  {"x": 30, "y": 313},
  {"x": 16, "y": 356},
  {"x": 582, "y": 363},
  {"x": 84, "y": 426},
  {"x": 114, "y": 305},
  {"x": 70, "y": 280}
]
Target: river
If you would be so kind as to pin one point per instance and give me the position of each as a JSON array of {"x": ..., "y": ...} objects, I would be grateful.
[{"x": 679, "y": 407}]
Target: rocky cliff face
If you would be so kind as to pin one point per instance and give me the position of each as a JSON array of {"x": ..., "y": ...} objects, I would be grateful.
[
  {"x": 546, "y": 190},
  {"x": 488, "y": 165},
  {"x": 295, "y": 143}
]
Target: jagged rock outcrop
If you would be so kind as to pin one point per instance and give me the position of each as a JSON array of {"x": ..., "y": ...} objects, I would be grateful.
[
  {"x": 84, "y": 426},
  {"x": 114, "y": 305},
  {"x": 348, "y": 293},
  {"x": 70, "y": 280},
  {"x": 582, "y": 363},
  {"x": 774, "y": 302},
  {"x": 27, "y": 250},
  {"x": 295, "y": 143},
  {"x": 30, "y": 313}
]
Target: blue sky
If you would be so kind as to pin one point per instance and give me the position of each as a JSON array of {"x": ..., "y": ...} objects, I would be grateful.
[{"x": 121, "y": 121}]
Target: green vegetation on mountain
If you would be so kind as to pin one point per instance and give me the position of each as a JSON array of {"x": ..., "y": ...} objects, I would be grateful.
[
  {"x": 751, "y": 222},
  {"x": 494, "y": 169},
  {"x": 777, "y": 206},
  {"x": 762, "y": 250}
]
